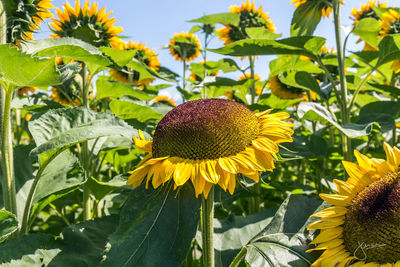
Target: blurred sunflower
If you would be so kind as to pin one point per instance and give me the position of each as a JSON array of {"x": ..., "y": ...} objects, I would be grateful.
[
  {"x": 324, "y": 5},
  {"x": 249, "y": 17},
  {"x": 184, "y": 46},
  {"x": 144, "y": 55},
  {"x": 86, "y": 23},
  {"x": 257, "y": 77},
  {"x": 208, "y": 142},
  {"x": 165, "y": 100},
  {"x": 367, "y": 11},
  {"x": 24, "y": 18},
  {"x": 196, "y": 78},
  {"x": 391, "y": 25},
  {"x": 284, "y": 91},
  {"x": 362, "y": 228},
  {"x": 26, "y": 90}
]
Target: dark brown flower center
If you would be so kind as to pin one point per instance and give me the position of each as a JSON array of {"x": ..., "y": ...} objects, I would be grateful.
[
  {"x": 372, "y": 223},
  {"x": 205, "y": 129}
]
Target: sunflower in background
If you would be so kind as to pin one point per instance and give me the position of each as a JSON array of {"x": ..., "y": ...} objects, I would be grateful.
[
  {"x": 391, "y": 25},
  {"x": 208, "y": 142},
  {"x": 362, "y": 227},
  {"x": 324, "y": 5},
  {"x": 86, "y": 23},
  {"x": 196, "y": 78},
  {"x": 184, "y": 46},
  {"x": 249, "y": 17},
  {"x": 284, "y": 91},
  {"x": 165, "y": 100},
  {"x": 257, "y": 78},
  {"x": 26, "y": 90},
  {"x": 144, "y": 55},
  {"x": 24, "y": 18}
]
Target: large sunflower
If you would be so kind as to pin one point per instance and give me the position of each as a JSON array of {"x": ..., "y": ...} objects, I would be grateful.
[
  {"x": 249, "y": 17},
  {"x": 324, "y": 5},
  {"x": 257, "y": 77},
  {"x": 184, "y": 46},
  {"x": 367, "y": 11},
  {"x": 86, "y": 23},
  {"x": 362, "y": 228},
  {"x": 284, "y": 91},
  {"x": 24, "y": 17},
  {"x": 143, "y": 54},
  {"x": 208, "y": 142}
]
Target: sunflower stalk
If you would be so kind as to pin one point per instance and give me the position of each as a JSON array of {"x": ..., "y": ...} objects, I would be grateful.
[
  {"x": 253, "y": 87},
  {"x": 239, "y": 257},
  {"x": 207, "y": 221}
]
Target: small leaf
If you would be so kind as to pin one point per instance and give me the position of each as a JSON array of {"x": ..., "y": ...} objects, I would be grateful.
[
  {"x": 305, "y": 19},
  {"x": 129, "y": 110},
  {"x": 285, "y": 64},
  {"x": 120, "y": 57},
  {"x": 389, "y": 49},
  {"x": 368, "y": 29},
  {"x": 101, "y": 189},
  {"x": 261, "y": 33},
  {"x": 300, "y": 79},
  {"x": 8, "y": 224},
  {"x": 222, "y": 18}
]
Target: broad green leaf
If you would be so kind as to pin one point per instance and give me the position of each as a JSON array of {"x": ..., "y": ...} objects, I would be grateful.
[
  {"x": 222, "y": 18},
  {"x": 156, "y": 228},
  {"x": 284, "y": 241},
  {"x": 20, "y": 69},
  {"x": 368, "y": 29},
  {"x": 120, "y": 57},
  {"x": 41, "y": 257},
  {"x": 305, "y": 147},
  {"x": 300, "y": 79},
  {"x": 386, "y": 88},
  {"x": 33, "y": 103},
  {"x": 68, "y": 48},
  {"x": 8, "y": 224},
  {"x": 62, "y": 128},
  {"x": 129, "y": 110},
  {"x": 228, "y": 65},
  {"x": 143, "y": 70},
  {"x": 101, "y": 189},
  {"x": 385, "y": 107},
  {"x": 272, "y": 101},
  {"x": 389, "y": 49},
  {"x": 305, "y": 45},
  {"x": 261, "y": 33},
  {"x": 285, "y": 64},
  {"x": 106, "y": 88},
  {"x": 317, "y": 112},
  {"x": 385, "y": 121},
  {"x": 305, "y": 19}
]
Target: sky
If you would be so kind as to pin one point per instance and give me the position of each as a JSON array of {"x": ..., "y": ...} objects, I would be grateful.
[{"x": 156, "y": 21}]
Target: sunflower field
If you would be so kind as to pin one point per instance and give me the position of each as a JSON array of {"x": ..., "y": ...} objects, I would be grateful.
[{"x": 297, "y": 168}]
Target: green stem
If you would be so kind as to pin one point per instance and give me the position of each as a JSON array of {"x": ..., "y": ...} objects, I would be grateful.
[
  {"x": 252, "y": 88},
  {"x": 239, "y": 257},
  {"x": 343, "y": 83},
  {"x": 207, "y": 219},
  {"x": 7, "y": 159},
  {"x": 205, "y": 64},
  {"x": 358, "y": 89},
  {"x": 184, "y": 74}
]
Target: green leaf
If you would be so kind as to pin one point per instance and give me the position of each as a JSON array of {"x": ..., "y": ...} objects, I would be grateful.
[
  {"x": 382, "y": 112},
  {"x": 68, "y": 48},
  {"x": 300, "y": 79},
  {"x": 368, "y": 29},
  {"x": 389, "y": 49},
  {"x": 156, "y": 228},
  {"x": 129, "y": 110},
  {"x": 120, "y": 57},
  {"x": 62, "y": 128},
  {"x": 8, "y": 224},
  {"x": 101, "y": 189},
  {"x": 228, "y": 65},
  {"x": 315, "y": 111},
  {"x": 305, "y": 19},
  {"x": 285, "y": 64},
  {"x": 305, "y": 45},
  {"x": 222, "y": 18},
  {"x": 272, "y": 101},
  {"x": 305, "y": 147},
  {"x": 19, "y": 69},
  {"x": 284, "y": 241},
  {"x": 386, "y": 88},
  {"x": 106, "y": 88},
  {"x": 261, "y": 33}
]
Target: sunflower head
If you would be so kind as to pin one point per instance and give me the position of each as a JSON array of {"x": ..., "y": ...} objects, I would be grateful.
[
  {"x": 363, "y": 225},
  {"x": 26, "y": 90},
  {"x": 367, "y": 11},
  {"x": 326, "y": 6},
  {"x": 144, "y": 55},
  {"x": 196, "y": 78},
  {"x": 257, "y": 77},
  {"x": 209, "y": 141},
  {"x": 249, "y": 17},
  {"x": 184, "y": 46},
  {"x": 165, "y": 100},
  {"x": 86, "y": 23},
  {"x": 24, "y": 18},
  {"x": 390, "y": 23},
  {"x": 284, "y": 91}
]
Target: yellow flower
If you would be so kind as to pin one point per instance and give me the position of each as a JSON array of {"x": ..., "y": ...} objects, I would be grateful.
[
  {"x": 362, "y": 227},
  {"x": 284, "y": 91},
  {"x": 249, "y": 17},
  {"x": 61, "y": 98},
  {"x": 144, "y": 55},
  {"x": 86, "y": 23},
  {"x": 257, "y": 77},
  {"x": 184, "y": 46},
  {"x": 324, "y": 5},
  {"x": 208, "y": 142},
  {"x": 25, "y": 90},
  {"x": 367, "y": 11},
  {"x": 195, "y": 78},
  {"x": 390, "y": 23},
  {"x": 164, "y": 99}
]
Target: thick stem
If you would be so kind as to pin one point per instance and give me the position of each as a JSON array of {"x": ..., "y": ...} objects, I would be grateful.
[
  {"x": 207, "y": 219},
  {"x": 7, "y": 159},
  {"x": 205, "y": 66},
  {"x": 253, "y": 87},
  {"x": 239, "y": 257},
  {"x": 342, "y": 75}
]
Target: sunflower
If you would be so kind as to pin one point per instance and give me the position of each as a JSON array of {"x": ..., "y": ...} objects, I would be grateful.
[
  {"x": 25, "y": 90},
  {"x": 24, "y": 18},
  {"x": 86, "y": 23},
  {"x": 144, "y": 55},
  {"x": 324, "y": 5},
  {"x": 362, "y": 228},
  {"x": 164, "y": 99},
  {"x": 184, "y": 46},
  {"x": 61, "y": 97},
  {"x": 196, "y": 78},
  {"x": 367, "y": 11},
  {"x": 284, "y": 91},
  {"x": 249, "y": 17},
  {"x": 257, "y": 77},
  {"x": 208, "y": 142},
  {"x": 390, "y": 23}
]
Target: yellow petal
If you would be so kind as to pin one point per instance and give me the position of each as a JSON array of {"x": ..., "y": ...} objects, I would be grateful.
[
  {"x": 327, "y": 235},
  {"x": 331, "y": 212},
  {"x": 345, "y": 189},
  {"x": 228, "y": 165},
  {"x": 336, "y": 200},
  {"x": 182, "y": 172},
  {"x": 325, "y": 224}
]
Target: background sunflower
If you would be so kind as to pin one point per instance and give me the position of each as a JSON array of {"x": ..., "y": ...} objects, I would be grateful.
[{"x": 184, "y": 46}]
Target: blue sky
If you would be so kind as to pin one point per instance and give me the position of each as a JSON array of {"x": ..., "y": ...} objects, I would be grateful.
[{"x": 156, "y": 21}]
